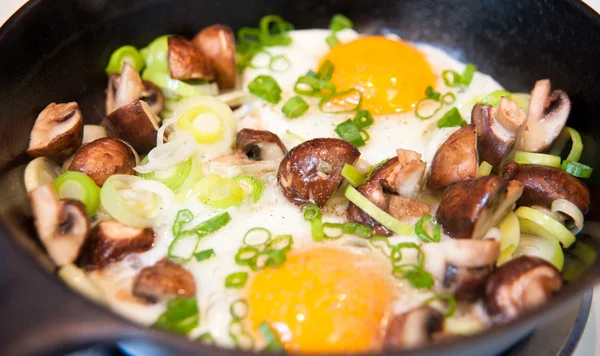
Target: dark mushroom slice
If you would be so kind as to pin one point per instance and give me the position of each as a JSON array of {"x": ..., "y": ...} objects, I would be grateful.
[
  {"x": 413, "y": 329},
  {"x": 547, "y": 116},
  {"x": 519, "y": 285},
  {"x": 462, "y": 266},
  {"x": 312, "y": 171},
  {"x": 497, "y": 130},
  {"x": 110, "y": 241},
  {"x": 62, "y": 225},
  {"x": 102, "y": 158},
  {"x": 259, "y": 145},
  {"x": 188, "y": 62},
  {"x": 469, "y": 209},
  {"x": 57, "y": 132},
  {"x": 165, "y": 279},
  {"x": 128, "y": 86},
  {"x": 456, "y": 159},
  {"x": 217, "y": 42},
  {"x": 135, "y": 124},
  {"x": 542, "y": 185},
  {"x": 393, "y": 187}
]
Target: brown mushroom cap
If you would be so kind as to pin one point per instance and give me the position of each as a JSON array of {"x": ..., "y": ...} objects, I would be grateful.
[
  {"x": 128, "y": 86},
  {"x": 462, "y": 265},
  {"x": 135, "y": 124},
  {"x": 312, "y": 171},
  {"x": 102, "y": 158},
  {"x": 217, "y": 42},
  {"x": 111, "y": 241},
  {"x": 188, "y": 62},
  {"x": 497, "y": 130},
  {"x": 469, "y": 209},
  {"x": 62, "y": 225},
  {"x": 547, "y": 116},
  {"x": 413, "y": 329},
  {"x": 519, "y": 285},
  {"x": 57, "y": 132},
  {"x": 260, "y": 145},
  {"x": 542, "y": 185},
  {"x": 456, "y": 159},
  {"x": 163, "y": 280}
]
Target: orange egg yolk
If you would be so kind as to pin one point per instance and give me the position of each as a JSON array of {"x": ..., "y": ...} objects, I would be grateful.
[
  {"x": 323, "y": 300},
  {"x": 391, "y": 75}
]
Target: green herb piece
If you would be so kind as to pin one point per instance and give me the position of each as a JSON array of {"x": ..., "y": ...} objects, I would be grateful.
[
  {"x": 421, "y": 229},
  {"x": 348, "y": 131},
  {"x": 294, "y": 107},
  {"x": 273, "y": 343},
  {"x": 451, "y": 118},
  {"x": 180, "y": 317},
  {"x": 205, "y": 255},
  {"x": 236, "y": 280},
  {"x": 266, "y": 88}
]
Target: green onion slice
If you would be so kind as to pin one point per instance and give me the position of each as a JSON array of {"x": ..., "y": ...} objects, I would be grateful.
[
  {"x": 240, "y": 337},
  {"x": 340, "y": 22},
  {"x": 494, "y": 97},
  {"x": 352, "y": 174},
  {"x": 294, "y": 107},
  {"x": 451, "y": 78},
  {"x": 468, "y": 74},
  {"x": 567, "y": 134},
  {"x": 355, "y": 228},
  {"x": 348, "y": 131},
  {"x": 183, "y": 216},
  {"x": 485, "y": 169},
  {"x": 274, "y": 31},
  {"x": 206, "y": 338},
  {"x": 449, "y": 98},
  {"x": 414, "y": 274},
  {"x": 577, "y": 169},
  {"x": 252, "y": 186},
  {"x": 449, "y": 298},
  {"x": 125, "y": 54},
  {"x": 420, "y": 110},
  {"x": 282, "y": 243},
  {"x": 219, "y": 192},
  {"x": 183, "y": 246},
  {"x": 156, "y": 54},
  {"x": 239, "y": 309},
  {"x": 332, "y": 40},
  {"x": 381, "y": 243},
  {"x": 537, "y": 158},
  {"x": 181, "y": 316},
  {"x": 376, "y": 213},
  {"x": 78, "y": 186},
  {"x": 279, "y": 63},
  {"x": 451, "y": 118},
  {"x": 325, "y": 71},
  {"x": 363, "y": 119},
  {"x": 266, "y": 88},
  {"x": 544, "y": 247},
  {"x": 246, "y": 256},
  {"x": 271, "y": 338},
  {"x": 258, "y": 236},
  {"x": 205, "y": 255},
  {"x": 236, "y": 280},
  {"x": 312, "y": 86},
  {"x": 127, "y": 205},
  {"x": 432, "y": 94},
  {"x": 268, "y": 258},
  {"x": 535, "y": 222},
  {"x": 396, "y": 252},
  {"x": 511, "y": 235},
  {"x": 421, "y": 229},
  {"x": 342, "y": 102},
  {"x": 332, "y": 230},
  {"x": 311, "y": 211},
  {"x": 213, "y": 224}
]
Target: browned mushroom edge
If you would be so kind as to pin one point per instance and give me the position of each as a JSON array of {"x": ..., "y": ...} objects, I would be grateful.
[
  {"x": 102, "y": 158},
  {"x": 469, "y": 209},
  {"x": 413, "y": 329},
  {"x": 217, "y": 42},
  {"x": 110, "y": 241},
  {"x": 62, "y": 225},
  {"x": 135, "y": 124},
  {"x": 547, "y": 116},
  {"x": 312, "y": 171},
  {"x": 187, "y": 62},
  {"x": 259, "y": 145},
  {"x": 128, "y": 86},
  {"x": 462, "y": 266},
  {"x": 456, "y": 159},
  {"x": 393, "y": 187},
  {"x": 542, "y": 185},
  {"x": 519, "y": 285},
  {"x": 57, "y": 132},
  {"x": 163, "y": 280},
  {"x": 497, "y": 130}
]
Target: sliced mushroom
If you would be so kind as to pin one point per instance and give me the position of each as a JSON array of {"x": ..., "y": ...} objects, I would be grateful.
[
  {"x": 519, "y": 285},
  {"x": 57, "y": 132},
  {"x": 188, "y": 62},
  {"x": 542, "y": 185},
  {"x": 462, "y": 266},
  {"x": 413, "y": 329},
  {"x": 469, "y": 209},
  {"x": 103, "y": 158},
  {"x": 111, "y": 241},
  {"x": 163, "y": 280},
  {"x": 135, "y": 124},
  {"x": 260, "y": 145},
  {"x": 393, "y": 187},
  {"x": 312, "y": 171},
  {"x": 497, "y": 130},
  {"x": 128, "y": 86},
  {"x": 456, "y": 159},
  {"x": 548, "y": 114},
  {"x": 217, "y": 42},
  {"x": 62, "y": 225},
  {"x": 40, "y": 171}
]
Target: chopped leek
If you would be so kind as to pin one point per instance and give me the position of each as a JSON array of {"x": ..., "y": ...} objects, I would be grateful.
[
  {"x": 352, "y": 174},
  {"x": 78, "y": 186},
  {"x": 156, "y": 54},
  {"x": 179, "y": 177},
  {"x": 266, "y": 88},
  {"x": 180, "y": 317},
  {"x": 535, "y": 222},
  {"x": 569, "y": 209},
  {"x": 271, "y": 338},
  {"x": 485, "y": 169},
  {"x": 125, "y": 54},
  {"x": 183, "y": 246},
  {"x": 376, "y": 213},
  {"x": 127, "y": 205},
  {"x": 164, "y": 81},
  {"x": 494, "y": 97},
  {"x": 449, "y": 299},
  {"x": 204, "y": 123},
  {"x": 257, "y": 236},
  {"x": 577, "y": 169},
  {"x": 511, "y": 234},
  {"x": 544, "y": 247},
  {"x": 537, "y": 158},
  {"x": 219, "y": 192},
  {"x": 585, "y": 253},
  {"x": 559, "y": 144},
  {"x": 252, "y": 186}
]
